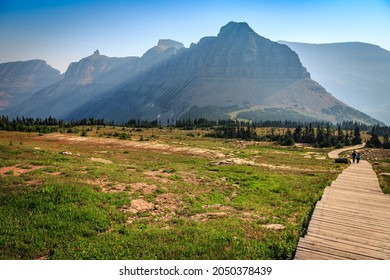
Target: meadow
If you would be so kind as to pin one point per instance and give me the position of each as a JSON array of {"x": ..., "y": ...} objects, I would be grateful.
[{"x": 120, "y": 193}]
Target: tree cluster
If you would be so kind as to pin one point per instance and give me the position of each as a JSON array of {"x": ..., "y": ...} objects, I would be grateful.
[{"x": 375, "y": 141}]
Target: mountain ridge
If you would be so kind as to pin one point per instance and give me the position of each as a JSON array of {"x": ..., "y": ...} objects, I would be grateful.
[
  {"x": 237, "y": 73},
  {"x": 19, "y": 80},
  {"x": 353, "y": 71}
]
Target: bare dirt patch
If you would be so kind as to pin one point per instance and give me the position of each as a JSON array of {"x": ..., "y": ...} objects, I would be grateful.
[
  {"x": 168, "y": 202},
  {"x": 159, "y": 175},
  {"x": 237, "y": 161},
  {"x": 315, "y": 155},
  {"x": 145, "y": 145},
  {"x": 190, "y": 178},
  {"x": 143, "y": 187},
  {"x": 17, "y": 170},
  {"x": 107, "y": 186},
  {"x": 204, "y": 217},
  {"x": 375, "y": 154},
  {"x": 248, "y": 216},
  {"x": 164, "y": 208},
  {"x": 33, "y": 183},
  {"x": 137, "y": 206},
  {"x": 54, "y": 173}
]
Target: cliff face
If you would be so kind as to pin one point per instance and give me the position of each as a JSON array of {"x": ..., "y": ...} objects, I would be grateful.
[
  {"x": 20, "y": 80},
  {"x": 239, "y": 52}
]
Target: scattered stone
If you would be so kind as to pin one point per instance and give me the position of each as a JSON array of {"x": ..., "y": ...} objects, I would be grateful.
[
  {"x": 274, "y": 226},
  {"x": 341, "y": 160},
  {"x": 66, "y": 153},
  {"x": 105, "y": 161}
]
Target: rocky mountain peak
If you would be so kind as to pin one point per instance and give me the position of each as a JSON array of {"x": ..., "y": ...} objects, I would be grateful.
[
  {"x": 235, "y": 29},
  {"x": 164, "y": 44}
]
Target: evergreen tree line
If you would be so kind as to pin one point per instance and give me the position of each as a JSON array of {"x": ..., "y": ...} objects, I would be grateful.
[
  {"x": 46, "y": 125},
  {"x": 321, "y": 134},
  {"x": 375, "y": 141}
]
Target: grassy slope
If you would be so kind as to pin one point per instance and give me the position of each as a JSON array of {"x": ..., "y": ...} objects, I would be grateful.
[{"x": 75, "y": 208}]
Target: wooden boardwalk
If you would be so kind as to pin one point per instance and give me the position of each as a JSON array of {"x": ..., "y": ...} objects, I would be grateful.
[{"x": 351, "y": 221}]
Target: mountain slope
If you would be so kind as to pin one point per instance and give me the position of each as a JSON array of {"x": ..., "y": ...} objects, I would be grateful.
[
  {"x": 92, "y": 78},
  {"x": 21, "y": 79},
  {"x": 238, "y": 73},
  {"x": 356, "y": 73},
  {"x": 83, "y": 81}
]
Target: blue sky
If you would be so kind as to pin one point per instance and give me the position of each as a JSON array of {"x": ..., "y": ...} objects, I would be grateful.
[{"x": 64, "y": 31}]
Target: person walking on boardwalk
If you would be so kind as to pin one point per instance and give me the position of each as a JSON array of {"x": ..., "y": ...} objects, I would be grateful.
[
  {"x": 358, "y": 156},
  {"x": 353, "y": 156}
]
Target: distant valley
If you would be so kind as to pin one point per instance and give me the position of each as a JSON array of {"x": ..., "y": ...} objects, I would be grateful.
[{"x": 237, "y": 74}]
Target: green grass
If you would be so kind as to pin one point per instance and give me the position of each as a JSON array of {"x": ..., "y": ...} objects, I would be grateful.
[{"x": 73, "y": 207}]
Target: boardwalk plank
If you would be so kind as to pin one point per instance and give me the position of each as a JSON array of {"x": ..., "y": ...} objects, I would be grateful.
[
  {"x": 352, "y": 219},
  {"x": 354, "y": 239},
  {"x": 310, "y": 245},
  {"x": 352, "y": 247}
]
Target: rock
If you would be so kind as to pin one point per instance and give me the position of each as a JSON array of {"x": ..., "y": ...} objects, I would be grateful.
[
  {"x": 274, "y": 226},
  {"x": 341, "y": 160},
  {"x": 66, "y": 153}
]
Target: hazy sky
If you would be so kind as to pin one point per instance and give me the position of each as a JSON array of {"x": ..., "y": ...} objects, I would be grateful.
[{"x": 64, "y": 31}]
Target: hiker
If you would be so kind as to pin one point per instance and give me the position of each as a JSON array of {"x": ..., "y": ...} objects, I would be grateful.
[
  {"x": 358, "y": 156},
  {"x": 353, "y": 156}
]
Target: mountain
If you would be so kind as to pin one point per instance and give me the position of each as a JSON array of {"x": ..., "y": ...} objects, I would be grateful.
[
  {"x": 92, "y": 78},
  {"x": 83, "y": 81},
  {"x": 356, "y": 73},
  {"x": 237, "y": 74},
  {"x": 20, "y": 80}
]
